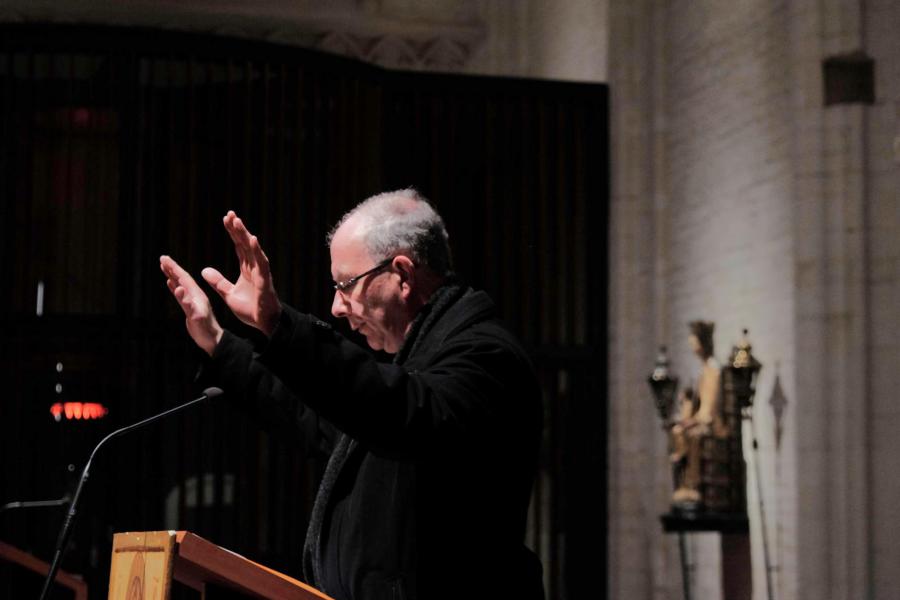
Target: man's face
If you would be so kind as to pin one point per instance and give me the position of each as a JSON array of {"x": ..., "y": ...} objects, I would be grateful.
[{"x": 372, "y": 305}]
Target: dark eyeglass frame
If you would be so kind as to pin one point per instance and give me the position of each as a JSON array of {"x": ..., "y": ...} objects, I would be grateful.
[{"x": 343, "y": 286}]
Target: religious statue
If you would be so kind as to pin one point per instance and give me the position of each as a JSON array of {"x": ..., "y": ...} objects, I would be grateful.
[
  {"x": 704, "y": 427},
  {"x": 699, "y": 418},
  {"x": 704, "y": 424}
]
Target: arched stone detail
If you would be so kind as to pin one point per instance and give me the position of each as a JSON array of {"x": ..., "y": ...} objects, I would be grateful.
[
  {"x": 394, "y": 52},
  {"x": 340, "y": 43},
  {"x": 444, "y": 53}
]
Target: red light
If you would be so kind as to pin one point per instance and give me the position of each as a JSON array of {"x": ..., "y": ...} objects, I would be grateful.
[
  {"x": 78, "y": 411},
  {"x": 92, "y": 410}
]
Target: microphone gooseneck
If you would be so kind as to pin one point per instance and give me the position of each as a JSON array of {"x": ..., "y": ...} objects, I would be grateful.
[{"x": 63, "y": 539}]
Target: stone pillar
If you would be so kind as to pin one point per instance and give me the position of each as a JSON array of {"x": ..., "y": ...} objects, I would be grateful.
[
  {"x": 834, "y": 526},
  {"x": 642, "y": 560}
]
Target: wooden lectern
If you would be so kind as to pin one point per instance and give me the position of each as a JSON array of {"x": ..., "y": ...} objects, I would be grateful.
[
  {"x": 31, "y": 563},
  {"x": 144, "y": 565}
]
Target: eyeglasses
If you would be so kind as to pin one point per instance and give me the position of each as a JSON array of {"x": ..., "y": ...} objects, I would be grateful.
[{"x": 343, "y": 286}]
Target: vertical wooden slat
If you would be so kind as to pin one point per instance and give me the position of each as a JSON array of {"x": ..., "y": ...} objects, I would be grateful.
[
  {"x": 8, "y": 138},
  {"x": 542, "y": 536},
  {"x": 27, "y": 211},
  {"x": 128, "y": 99},
  {"x": 247, "y": 154},
  {"x": 530, "y": 258},
  {"x": 281, "y": 204},
  {"x": 40, "y": 244},
  {"x": 263, "y": 122},
  {"x": 230, "y": 124},
  {"x": 580, "y": 226}
]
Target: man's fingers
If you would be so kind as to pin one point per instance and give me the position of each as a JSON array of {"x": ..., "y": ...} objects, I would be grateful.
[
  {"x": 187, "y": 301},
  {"x": 240, "y": 237},
  {"x": 183, "y": 300},
  {"x": 236, "y": 230},
  {"x": 199, "y": 319},
  {"x": 246, "y": 245},
  {"x": 171, "y": 268},
  {"x": 228, "y": 221},
  {"x": 239, "y": 228},
  {"x": 176, "y": 275},
  {"x": 218, "y": 282},
  {"x": 261, "y": 259}
]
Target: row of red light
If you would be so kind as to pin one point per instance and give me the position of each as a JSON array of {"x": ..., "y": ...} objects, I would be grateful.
[
  {"x": 78, "y": 410},
  {"x": 75, "y": 410}
]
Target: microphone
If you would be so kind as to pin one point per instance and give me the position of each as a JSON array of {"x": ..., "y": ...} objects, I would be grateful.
[{"x": 63, "y": 539}]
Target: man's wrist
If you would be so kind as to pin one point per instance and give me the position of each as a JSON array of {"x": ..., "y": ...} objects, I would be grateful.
[
  {"x": 270, "y": 322},
  {"x": 216, "y": 338}
]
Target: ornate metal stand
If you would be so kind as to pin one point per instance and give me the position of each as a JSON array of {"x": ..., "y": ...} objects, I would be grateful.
[{"x": 745, "y": 369}]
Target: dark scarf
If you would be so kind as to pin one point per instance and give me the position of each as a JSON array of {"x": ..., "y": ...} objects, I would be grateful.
[{"x": 437, "y": 305}]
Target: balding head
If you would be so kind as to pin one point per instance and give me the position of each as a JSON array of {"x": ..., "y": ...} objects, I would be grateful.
[
  {"x": 399, "y": 222},
  {"x": 388, "y": 257}
]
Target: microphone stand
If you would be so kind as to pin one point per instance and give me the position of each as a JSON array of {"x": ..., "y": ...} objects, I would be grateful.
[{"x": 66, "y": 530}]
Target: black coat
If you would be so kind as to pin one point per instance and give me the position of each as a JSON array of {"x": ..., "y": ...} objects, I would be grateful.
[{"x": 431, "y": 502}]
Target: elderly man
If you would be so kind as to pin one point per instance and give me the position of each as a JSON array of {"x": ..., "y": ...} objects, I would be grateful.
[{"x": 432, "y": 457}]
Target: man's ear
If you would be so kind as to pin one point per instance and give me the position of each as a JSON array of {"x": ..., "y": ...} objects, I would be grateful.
[{"x": 405, "y": 267}]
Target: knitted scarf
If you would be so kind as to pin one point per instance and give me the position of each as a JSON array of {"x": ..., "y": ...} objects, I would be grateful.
[{"x": 344, "y": 446}]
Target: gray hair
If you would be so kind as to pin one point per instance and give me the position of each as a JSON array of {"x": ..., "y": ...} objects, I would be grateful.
[{"x": 402, "y": 221}]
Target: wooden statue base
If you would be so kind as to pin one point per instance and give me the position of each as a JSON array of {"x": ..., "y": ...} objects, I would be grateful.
[{"x": 684, "y": 520}]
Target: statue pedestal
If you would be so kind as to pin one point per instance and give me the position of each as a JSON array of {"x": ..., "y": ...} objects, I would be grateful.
[{"x": 734, "y": 531}]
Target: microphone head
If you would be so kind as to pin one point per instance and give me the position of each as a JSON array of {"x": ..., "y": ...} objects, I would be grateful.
[{"x": 212, "y": 392}]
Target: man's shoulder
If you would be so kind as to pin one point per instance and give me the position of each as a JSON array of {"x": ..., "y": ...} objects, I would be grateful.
[
  {"x": 474, "y": 320},
  {"x": 473, "y": 311}
]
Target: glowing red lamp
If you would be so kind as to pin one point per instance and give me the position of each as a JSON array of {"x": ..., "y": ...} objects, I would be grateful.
[{"x": 78, "y": 411}]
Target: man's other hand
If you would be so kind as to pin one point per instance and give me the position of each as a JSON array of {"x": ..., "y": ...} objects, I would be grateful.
[{"x": 199, "y": 318}]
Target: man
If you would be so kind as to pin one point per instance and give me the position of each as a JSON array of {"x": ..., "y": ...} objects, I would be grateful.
[{"x": 432, "y": 458}]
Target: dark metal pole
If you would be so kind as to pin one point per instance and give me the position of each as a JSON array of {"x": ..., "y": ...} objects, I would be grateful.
[
  {"x": 686, "y": 566},
  {"x": 762, "y": 512}
]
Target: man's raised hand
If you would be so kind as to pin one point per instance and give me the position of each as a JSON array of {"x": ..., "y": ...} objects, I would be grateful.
[
  {"x": 199, "y": 318},
  {"x": 252, "y": 297}
]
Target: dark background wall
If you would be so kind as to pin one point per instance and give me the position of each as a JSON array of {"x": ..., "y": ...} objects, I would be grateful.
[{"x": 117, "y": 146}]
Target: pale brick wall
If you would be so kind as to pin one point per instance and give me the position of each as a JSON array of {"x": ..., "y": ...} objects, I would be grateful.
[
  {"x": 562, "y": 39},
  {"x": 638, "y": 568},
  {"x": 738, "y": 197},
  {"x": 730, "y": 183},
  {"x": 762, "y": 208},
  {"x": 721, "y": 179},
  {"x": 882, "y": 178}
]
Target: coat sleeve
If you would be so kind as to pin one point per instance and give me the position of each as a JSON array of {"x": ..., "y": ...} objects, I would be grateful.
[
  {"x": 253, "y": 389},
  {"x": 458, "y": 398}
]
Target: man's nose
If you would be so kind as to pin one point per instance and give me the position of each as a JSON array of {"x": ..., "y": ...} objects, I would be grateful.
[{"x": 338, "y": 305}]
